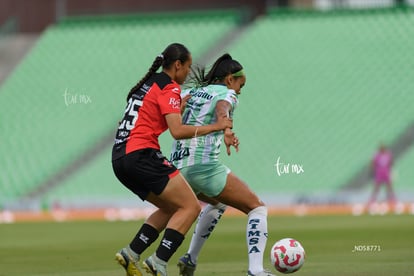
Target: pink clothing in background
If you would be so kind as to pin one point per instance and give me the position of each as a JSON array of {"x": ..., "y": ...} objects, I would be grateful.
[{"x": 382, "y": 163}]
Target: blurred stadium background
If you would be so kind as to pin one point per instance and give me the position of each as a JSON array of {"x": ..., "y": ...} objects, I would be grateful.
[{"x": 328, "y": 81}]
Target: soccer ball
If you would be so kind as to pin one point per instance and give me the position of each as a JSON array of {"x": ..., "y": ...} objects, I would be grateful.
[{"x": 287, "y": 255}]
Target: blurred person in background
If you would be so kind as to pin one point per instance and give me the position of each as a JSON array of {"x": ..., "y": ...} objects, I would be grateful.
[{"x": 381, "y": 166}]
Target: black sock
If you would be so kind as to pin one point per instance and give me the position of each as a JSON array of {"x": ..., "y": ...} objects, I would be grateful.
[
  {"x": 144, "y": 238},
  {"x": 169, "y": 244}
]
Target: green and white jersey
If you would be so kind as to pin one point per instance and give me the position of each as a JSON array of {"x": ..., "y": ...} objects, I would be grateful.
[{"x": 200, "y": 111}]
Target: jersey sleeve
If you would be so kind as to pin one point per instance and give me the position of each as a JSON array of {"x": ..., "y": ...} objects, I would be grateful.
[
  {"x": 231, "y": 98},
  {"x": 169, "y": 99}
]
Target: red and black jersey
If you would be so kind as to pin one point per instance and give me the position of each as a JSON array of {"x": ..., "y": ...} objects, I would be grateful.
[{"x": 144, "y": 117}]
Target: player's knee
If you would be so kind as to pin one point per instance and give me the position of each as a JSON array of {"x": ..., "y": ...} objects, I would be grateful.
[
  {"x": 197, "y": 208},
  {"x": 194, "y": 209}
]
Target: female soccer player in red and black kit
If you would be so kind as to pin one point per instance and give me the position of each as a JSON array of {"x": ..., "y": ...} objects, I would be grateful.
[{"x": 154, "y": 105}]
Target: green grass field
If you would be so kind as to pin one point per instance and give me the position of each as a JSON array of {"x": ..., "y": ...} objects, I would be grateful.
[{"x": 88, "y": 248}]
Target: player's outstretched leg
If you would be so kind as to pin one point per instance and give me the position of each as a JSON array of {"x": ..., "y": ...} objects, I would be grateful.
[
  {"x": 207, "y": 220},
  {"x": 256, "y": 237}
]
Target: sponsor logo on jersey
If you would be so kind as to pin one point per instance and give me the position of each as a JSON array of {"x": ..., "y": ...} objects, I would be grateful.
[
  {"x": 201, "y": 94},
  {"x": 175, "y": 103}
]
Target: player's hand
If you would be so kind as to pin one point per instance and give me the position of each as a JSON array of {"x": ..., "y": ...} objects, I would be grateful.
[
  {"x": 184, "y": 102},
  {"x": 223, "y": 123},
  {"x": 230, "y": 139}
]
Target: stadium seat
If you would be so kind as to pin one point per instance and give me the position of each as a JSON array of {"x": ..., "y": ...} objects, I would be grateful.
[
  {"x": 70, "y": 90},
  {"x": 323, "y": 90}
]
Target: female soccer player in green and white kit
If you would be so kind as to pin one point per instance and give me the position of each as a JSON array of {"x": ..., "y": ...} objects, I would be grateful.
[{"x": 216, "y": 95}]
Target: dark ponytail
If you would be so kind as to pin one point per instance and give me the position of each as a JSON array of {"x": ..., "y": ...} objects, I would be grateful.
[
  {"x": 222, "y": 67},
  {"x": 153, "y": 69},
  {"x": 172, "y": 53}
]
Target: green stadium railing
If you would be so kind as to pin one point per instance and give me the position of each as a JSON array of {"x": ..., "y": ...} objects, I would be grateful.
[
  {"x": 323, "y": 90},
  {"x": 69, "y": 91}
]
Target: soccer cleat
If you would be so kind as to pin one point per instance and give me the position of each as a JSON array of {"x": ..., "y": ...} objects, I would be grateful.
[
  {"x": 186, "y": 266},
  {"x": 155, "y": 266},
  {"x": 263, "y": 273},
  {"x": 131, "y": 266}
]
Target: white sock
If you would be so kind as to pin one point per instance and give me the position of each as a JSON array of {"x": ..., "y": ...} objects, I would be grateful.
[
  {"x": 207, "y": 220},
  {"x": 256, "y": 235}
]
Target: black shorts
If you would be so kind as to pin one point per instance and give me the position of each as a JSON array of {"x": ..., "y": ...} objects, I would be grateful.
[{"x": 144, "y": 171}]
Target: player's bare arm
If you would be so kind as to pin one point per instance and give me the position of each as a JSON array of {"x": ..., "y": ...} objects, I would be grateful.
[
  {"x": 184, "y": 102},
  {"x": 223, "y": 108},
  {"x": 180, "y": 131}
]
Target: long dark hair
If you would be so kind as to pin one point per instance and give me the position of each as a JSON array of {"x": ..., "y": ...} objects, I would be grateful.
[
  {"x": 221, "y": 68},
  {"x": 172, "y": 53}
]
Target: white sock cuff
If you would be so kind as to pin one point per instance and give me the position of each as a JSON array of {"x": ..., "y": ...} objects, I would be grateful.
[
  {"x": 220, "y": 206},
  {"x": 261, "y": 210}
]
